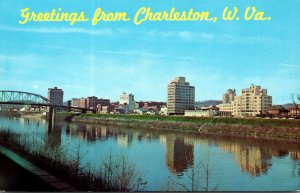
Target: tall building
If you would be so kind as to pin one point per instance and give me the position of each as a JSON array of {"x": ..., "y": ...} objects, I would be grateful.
[
  {"x": 253, "y": 101},
  {"x": 82, "y": 103},
  {"x": 228, "y": 97},
  {"x": 226, "y": 108},
  {"x": 55, "y": 96},
  {"x": 128, "y": 100},
  {"x": 181, "y": 96},
  {"x": 75, "y": 102},
  {"x": 91, "y": 102}
]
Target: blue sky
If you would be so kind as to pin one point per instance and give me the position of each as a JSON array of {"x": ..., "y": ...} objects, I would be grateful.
[{"x": 110, "y": 58}]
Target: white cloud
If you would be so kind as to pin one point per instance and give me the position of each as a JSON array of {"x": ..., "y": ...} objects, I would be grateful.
[
  {"x": 186, "y": 35},
  {"x": 157, "y": 34},
  {"x": 203, "y": 36},
  {"x": 12, "y": 58},
  {"x": 288, "y": 66},
  {"x": 182, "y": 35},
  {"x": 58, "y": 30},
  {"x": 245, "y": 39},
  {"x": 135, "y": 53},
  {"x": 193, "y": 36}
]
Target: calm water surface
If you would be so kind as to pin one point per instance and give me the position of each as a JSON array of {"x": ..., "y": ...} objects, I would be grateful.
[{"x": 168, "y": 158}]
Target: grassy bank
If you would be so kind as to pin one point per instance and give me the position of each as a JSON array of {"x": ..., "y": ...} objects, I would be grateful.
[
  {"x": 214, "y": 120},
  {"x": 258, "y": 128}
]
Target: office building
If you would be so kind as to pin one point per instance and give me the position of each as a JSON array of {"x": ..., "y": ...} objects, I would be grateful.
[
  {"x": 226, "y": 109},
  {"x": 82, "y": 103},
  {"x": 55, "y": 96},
  {"x": 252, "y": 102},
  {"x": 128, "y": 101},
  {"x": 228, "y": 97},
  {"x": 181, "y": 96},
  {"x": 126, "y": 98},
  {"x": 91, "y": 102},
  {"x": 75, "y": 102}
]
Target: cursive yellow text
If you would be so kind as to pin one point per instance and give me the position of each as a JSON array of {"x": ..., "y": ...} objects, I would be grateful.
[{"x": 53, "y": 16}]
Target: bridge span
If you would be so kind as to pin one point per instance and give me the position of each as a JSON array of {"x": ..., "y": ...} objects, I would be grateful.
[
  {"x": 8, "y": 97},
  {"x": 26, "y": 98}
]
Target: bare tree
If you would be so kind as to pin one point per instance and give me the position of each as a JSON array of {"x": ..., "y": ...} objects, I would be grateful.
[
  {"x": 295, "y": 103},
  {"x": 119, "y": 174},
  {"x": 209, "y": 169},
  {"x": 199, "y": 176},
  {"x": 293, "y": 96}
]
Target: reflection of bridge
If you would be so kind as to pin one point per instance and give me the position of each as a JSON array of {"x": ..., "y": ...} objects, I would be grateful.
[{"x": 26, "y": 98}]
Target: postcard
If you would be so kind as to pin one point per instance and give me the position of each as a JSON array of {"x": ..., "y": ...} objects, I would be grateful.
[{"x": 149, "y": 95}]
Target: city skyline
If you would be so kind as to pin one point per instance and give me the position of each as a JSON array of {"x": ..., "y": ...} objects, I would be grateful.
[{"x": 110, "y": 58}]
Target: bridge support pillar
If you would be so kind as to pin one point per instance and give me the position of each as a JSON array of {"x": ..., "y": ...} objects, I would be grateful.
[{"x": 51, "y": 118}]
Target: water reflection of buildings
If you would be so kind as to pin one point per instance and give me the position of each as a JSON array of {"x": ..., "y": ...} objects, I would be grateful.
[
  {"x": 252, "y": 159},
  {"x": 89, "y": 132},
  {"x": 179, "y": 155},
  {"x": 124, "y": 140},
  {"x": 295, "y": 155},
  {"x": 31, "y": 122},
  {"x": 256, "y": 160}
]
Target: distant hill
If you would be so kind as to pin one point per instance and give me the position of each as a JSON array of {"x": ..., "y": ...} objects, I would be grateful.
[
  {"x": 288, "y": 105},
  {"x": 207, "y": 103}
]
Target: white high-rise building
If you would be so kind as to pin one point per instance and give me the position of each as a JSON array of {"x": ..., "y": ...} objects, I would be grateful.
[
  {"x": 181, "y": 96},
  {"x": 128, "y": 100},
  {"x": 253, "y": 101}
]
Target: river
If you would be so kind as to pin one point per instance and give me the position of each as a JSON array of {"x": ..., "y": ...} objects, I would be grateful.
[{"x": 167, "y": 160}]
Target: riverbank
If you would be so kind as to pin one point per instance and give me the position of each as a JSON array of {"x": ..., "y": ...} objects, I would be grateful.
[
  {"x": 21, "y": 180},
  {"x": 29, "y": 175},
  {"x": 54, "y": 160},
  {"x": 286, "y": 129}
]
